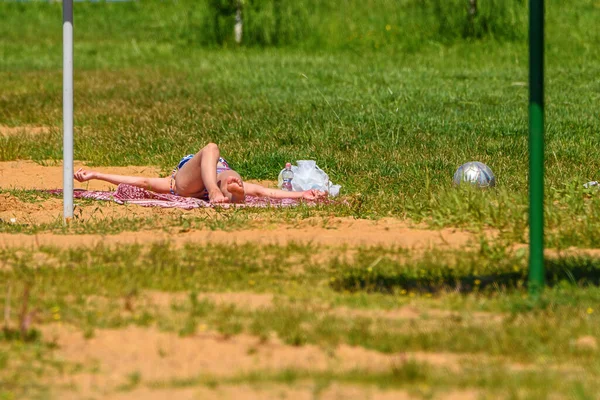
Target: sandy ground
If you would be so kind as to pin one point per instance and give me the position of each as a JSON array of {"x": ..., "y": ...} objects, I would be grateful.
[
  {"x": 163, "y": 301},
  {"x": 303, "y": 391},
  {"x": 111, "y": 357},
  {"x": 24, "y": 130},
  {"x": 31, "y": 175},
  {"x": 161, "y": 356},
  {"x": 337, "y": 232},
  {"x": 161, "y": 359},
  {"x": 137, "y": 362},
  {"x": 331, "y": 232},
  {"x": 348, "y": 232}
]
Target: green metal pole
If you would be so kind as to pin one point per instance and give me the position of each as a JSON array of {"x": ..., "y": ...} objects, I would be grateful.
[{"x": 536, "y": 147}]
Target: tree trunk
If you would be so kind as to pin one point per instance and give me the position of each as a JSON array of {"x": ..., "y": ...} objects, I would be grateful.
[
  {"x": 472, "y": 9},
  {"x": 238, "y": 28},
  {"x": 471, "y": 31}
]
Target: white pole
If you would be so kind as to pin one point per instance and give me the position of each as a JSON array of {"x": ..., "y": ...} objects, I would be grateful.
[{"x": 67, "y": 109}]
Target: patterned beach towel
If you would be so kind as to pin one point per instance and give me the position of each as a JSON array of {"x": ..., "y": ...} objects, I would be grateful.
[{"x": 127, "y": 194}]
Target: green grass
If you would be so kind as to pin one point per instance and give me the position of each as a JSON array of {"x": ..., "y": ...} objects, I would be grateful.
[
  {"x": 22, "y": 365},
  {"x": 309, "y": 24},
  {"x": 391, "y": 126},
  {"x": 100, "y": 288},
  {"x": 389, "y": 115},
  {"x": 92, "y": 217}
]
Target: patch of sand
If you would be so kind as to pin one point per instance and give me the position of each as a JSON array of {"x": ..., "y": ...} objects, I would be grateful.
[
  {"x": 24, "y": 130},
  {"x": 331, "y": 232},
  {"x": 162, "y": 357},
  {"x": 586, "y": 343},
  {"x": 255, "y": 301},
  {"x": 555, "y": 253},
  {"x": 25, "y": 174},
  {"x": 410, "y": 312},
  {"x": 164, "y": 300},
  {"x": 9, "y": 203},
  {"x": 51, "y": 210},
  {"x": 348, "y": 231},
  {"x": 266, "y": 391},
  {"x": 245, "y": 300}
]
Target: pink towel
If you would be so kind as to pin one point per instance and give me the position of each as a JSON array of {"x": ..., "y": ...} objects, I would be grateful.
[{"x": 135, "y": 195}]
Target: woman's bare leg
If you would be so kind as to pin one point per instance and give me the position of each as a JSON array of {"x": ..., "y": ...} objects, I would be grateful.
[
  {"x": 158, "y": 185},
  {"x": 200, "y": 173}
]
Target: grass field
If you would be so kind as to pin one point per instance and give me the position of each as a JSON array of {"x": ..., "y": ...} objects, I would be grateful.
[{"x": 407, "y": 288}]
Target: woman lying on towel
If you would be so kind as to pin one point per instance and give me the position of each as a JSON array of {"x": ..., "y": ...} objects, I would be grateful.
[{"x": 204, "y": 175}]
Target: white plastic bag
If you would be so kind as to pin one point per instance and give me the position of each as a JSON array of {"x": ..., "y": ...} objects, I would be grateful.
[{"x": 307, "y": 175}]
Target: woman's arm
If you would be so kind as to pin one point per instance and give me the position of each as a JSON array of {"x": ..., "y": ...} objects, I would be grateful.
[
  {"x": 261, "y": 191},
  {"x": 158, "y": 185}
]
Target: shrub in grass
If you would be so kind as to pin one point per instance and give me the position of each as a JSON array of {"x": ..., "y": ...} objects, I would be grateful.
[
  {"x": 265, "y": 22},
  {"x": 373, "y": 23},
  {"x": 310, "y": 24},
  {"x": 501, "y": 19}
]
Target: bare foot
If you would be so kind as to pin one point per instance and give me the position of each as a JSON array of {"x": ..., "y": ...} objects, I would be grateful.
[
  {"x": 235, "y": 186},
  {"x": 215, "y": 196}
]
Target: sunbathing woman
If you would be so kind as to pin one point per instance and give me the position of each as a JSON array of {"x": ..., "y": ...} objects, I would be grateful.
[{"x": 203, "y": 175}]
